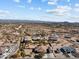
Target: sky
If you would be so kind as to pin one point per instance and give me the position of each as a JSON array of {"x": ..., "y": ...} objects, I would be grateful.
[{"x": 43, "y": 10}]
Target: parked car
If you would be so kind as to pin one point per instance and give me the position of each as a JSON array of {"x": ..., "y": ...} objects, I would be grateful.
[{"x": 67, "y": 50}]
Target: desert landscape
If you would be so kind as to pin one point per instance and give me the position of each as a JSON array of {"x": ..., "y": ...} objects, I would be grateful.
[
  {"x": 32, "y": 40},
  {"x": 39, "y": 29}
]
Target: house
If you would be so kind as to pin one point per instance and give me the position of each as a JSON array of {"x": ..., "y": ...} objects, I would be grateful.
[
  {"x": 37, "y": 37},
  {"x": 67, "y": 36},
  {"x": 53, "y": 37},
  {"x": 74, "y": 31},
  {"x": 26, "y": 38}
]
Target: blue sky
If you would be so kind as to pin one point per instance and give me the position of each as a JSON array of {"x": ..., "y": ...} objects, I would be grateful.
[{"x": 44, "y": 10}]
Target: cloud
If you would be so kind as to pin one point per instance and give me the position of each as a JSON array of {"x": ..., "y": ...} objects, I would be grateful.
[
  {"x": 35, "y": 8},
  {"x": 52, "y": 2},
  {"x": 31, "y": 8},
  {"x": 29, "y": 1},
  {"x": 65, "y": 13},
  {"x": 76, "y": 5},
  {"x": 16, "y": 1},
  {"x": 60, "y": 11},
  {"x": 39, "y": 8},
  {"x": 70, "y": 4},
  {"x": 54, "y": 18},
  {"x": 43, "y": 0},
  {"x": 21, "y": 6},
  {"x": 68, "y": 0},
  {"x": 76, "y": 9},
  {"x": 4, "y": 13},
  {"x": 74, "y": 17}
]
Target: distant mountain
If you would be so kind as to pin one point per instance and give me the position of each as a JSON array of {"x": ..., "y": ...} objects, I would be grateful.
[
  {"x": 20, "y": 21},
  {"x": 7, "y": 21}
]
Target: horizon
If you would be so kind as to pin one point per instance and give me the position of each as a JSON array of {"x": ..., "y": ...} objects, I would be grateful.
[
  {"x": 36, "y": 21},
  {"x": 40, "y": 10}
]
